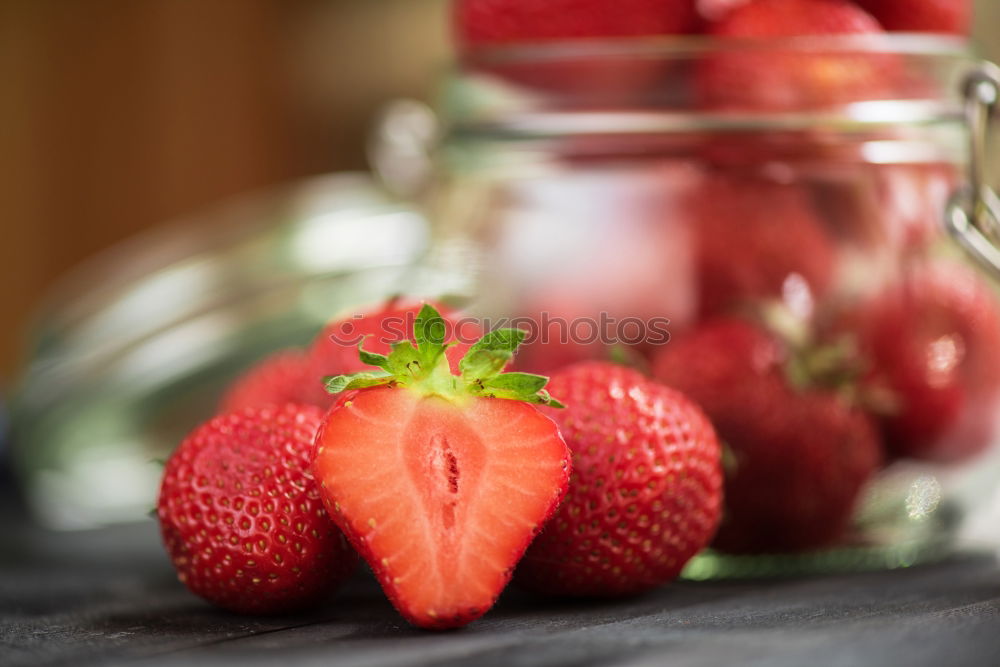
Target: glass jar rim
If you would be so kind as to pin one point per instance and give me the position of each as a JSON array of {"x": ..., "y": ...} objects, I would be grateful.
[
  {"x": 482, "y": 102},
  {"x": 687, "y": 46}
]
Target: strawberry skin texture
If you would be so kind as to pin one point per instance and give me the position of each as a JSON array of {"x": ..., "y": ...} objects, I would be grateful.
[
  {"x": 934, "y": 344},
  {"x": 241, "y": 516},
  {"x": 480, "y": 22},
  {"x": 801, "y": 457},
  {"x": 440, "y": 499},
  {"x": 778, "y": 80},
  {"x": 282, "y": 378},
  {"x": 947, "y": 16},
  {"x": 751, "y": 236},
  {"x": 390, "y": 324},
  {"x": 646, "y": 492}
]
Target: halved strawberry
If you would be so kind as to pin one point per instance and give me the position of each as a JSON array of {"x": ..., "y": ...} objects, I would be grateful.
[{"x": 439, "y": 480}]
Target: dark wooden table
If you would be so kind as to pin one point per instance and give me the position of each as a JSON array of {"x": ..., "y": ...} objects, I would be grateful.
[{"x": 110, "y": 598}]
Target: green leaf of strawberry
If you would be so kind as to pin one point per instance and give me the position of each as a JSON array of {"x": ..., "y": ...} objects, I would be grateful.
[
  {"x": 372, "y": 359},
  {"x": 429, "y": 331},
  {"x": 362, "y": 380},
  {"x": 521, "y": 387},
  {"x": 491, "y": 354},
  {"x": 424, "y": 367}
]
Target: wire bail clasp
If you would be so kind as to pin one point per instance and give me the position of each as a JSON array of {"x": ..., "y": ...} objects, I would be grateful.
[{"x": 973, "y": 215}]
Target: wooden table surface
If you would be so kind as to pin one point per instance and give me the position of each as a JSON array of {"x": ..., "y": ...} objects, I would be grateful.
[{"x": 110, "y": 598}]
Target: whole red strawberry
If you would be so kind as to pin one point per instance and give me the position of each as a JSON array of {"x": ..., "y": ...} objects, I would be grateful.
[
  {"x": 800, "y": 456},
  {"x": 439, "y": 480},
  {"x": 480, "y": 22},
  {"x": 753, "y": 235},
  {"x": 584, "y": 76},
  {"x": 282, "y": 378},
  {"x": 646, "y": 491},
  {"x": 934, "y": 345},
  {"x": 335, "y": 350},
  {"x": 954, "y": 16},
  {"x": 241, "y": 515},
  {"x": 783, "y": 78}
]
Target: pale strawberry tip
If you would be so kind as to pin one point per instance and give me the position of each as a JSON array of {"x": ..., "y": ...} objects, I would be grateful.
[{"x": 421, "y": 365}]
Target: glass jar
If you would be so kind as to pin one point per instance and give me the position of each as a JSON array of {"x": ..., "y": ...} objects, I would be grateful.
[
  {"x": 620, "y": 198},
  {"x": 613, "y": 198}
]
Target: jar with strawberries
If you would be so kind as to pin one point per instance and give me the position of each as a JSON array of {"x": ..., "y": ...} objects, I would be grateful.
[
  {"x": 755, "y": 203},
  {"x": 750, "y": 241}
]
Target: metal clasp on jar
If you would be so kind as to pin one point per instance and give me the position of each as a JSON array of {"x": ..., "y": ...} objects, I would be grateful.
[{"x": 973, "y": 216}]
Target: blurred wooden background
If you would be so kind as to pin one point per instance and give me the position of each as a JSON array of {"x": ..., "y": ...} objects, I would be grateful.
[{"x": 116, "y": 115}]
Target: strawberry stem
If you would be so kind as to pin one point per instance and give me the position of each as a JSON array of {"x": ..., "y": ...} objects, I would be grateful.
[
  {"x": 421, "y": 365},
  {"x": 811, "y": 363}
]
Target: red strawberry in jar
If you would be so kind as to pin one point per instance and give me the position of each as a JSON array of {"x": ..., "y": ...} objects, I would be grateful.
[
  {"x": 941, "y": 16},
  {"x": 786, "y": 78},
  {"x": 800, "y": 453},
  {"x": 586, "y": 75},
  {"x": 933, "y": 345},
  {"x": 756, "y": 238}
]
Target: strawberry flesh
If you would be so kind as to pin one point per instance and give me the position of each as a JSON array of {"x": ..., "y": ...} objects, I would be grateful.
[{"x": 441, "y": 499}]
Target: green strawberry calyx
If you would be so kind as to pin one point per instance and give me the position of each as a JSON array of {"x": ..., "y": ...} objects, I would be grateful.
[
  {"x": 831, "y": 363},
  {"x": 421, "y": 365}
]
